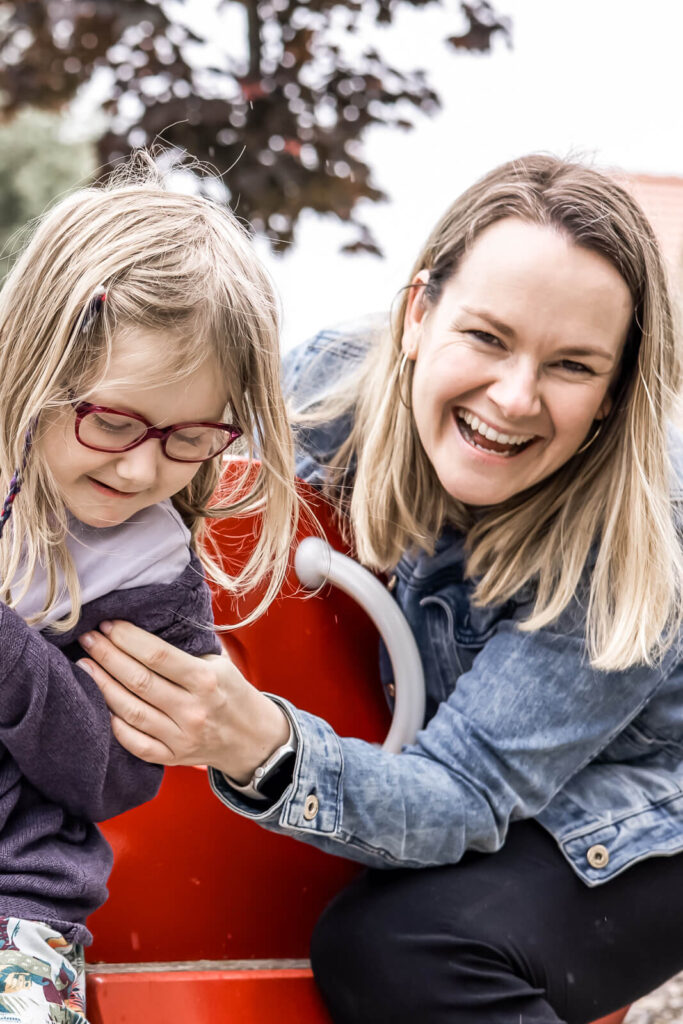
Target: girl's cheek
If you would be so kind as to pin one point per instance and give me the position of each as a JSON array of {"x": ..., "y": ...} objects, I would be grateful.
[{"x": 186, "y": 478}]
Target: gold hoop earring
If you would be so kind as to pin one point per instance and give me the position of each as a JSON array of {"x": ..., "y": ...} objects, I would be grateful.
[
  {"x": 399, "y": 379},
  {"x": 593, "y": 438}
]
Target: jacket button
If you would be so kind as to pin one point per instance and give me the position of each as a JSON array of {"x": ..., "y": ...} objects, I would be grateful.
[
  {"x": 598, "y": 856},
  {"x": 311, "y": 807}
]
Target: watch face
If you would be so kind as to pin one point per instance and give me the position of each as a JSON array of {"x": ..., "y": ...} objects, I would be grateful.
[{"x": 278, "y": 778}]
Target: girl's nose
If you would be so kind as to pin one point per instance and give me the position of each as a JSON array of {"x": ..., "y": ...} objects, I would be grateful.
[
  {"x": 516, "y": 391},
  {"x": 139, "y": 467}
]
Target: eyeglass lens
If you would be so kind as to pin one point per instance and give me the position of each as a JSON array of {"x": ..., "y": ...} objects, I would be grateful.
[{"x": 110, "y": 431}]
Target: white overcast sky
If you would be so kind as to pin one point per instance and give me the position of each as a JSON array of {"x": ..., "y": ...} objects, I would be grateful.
[{"x": 601, "y": 79}]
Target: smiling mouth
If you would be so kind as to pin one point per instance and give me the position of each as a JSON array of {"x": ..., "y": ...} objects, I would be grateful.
[
  {"x": 106, "y": 489},
  {"x": 480, "y": 435}
]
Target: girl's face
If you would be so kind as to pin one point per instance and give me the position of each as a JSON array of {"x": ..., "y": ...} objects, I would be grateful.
[
  {"x": 515, "y": 362},
  {"x": 107, "y": 488}
]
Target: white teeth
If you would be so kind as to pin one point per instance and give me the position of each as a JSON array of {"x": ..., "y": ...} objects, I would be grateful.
[{"x": 482, "y": 428}]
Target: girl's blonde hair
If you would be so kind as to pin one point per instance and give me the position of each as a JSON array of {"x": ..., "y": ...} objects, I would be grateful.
[
  {"x": 170, "y": 263},
  {"x": 608, "y": 507}
]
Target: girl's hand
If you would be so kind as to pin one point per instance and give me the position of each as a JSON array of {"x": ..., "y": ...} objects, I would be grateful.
[{"x": 170, "y": 707}]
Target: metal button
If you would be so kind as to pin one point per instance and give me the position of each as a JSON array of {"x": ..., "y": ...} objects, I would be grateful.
[
  {"x": 391, "y": 583},
  {"x": 311, "y": 807},
  {"x": 598, "y": 856},
  {"x": 391, "y": 689}
]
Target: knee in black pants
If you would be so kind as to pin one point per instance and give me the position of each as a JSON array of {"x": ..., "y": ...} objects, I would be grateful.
[
  {"x": 356, "y": 957},
  {"x": 436, "y": 945},
  {"x": 378, "y": 960}
]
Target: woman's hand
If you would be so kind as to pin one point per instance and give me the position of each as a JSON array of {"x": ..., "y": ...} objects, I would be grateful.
[{"x": 170, "y": 707}]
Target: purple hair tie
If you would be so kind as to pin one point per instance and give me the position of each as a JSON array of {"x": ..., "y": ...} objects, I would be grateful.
[{"x": 16, "y": 481}]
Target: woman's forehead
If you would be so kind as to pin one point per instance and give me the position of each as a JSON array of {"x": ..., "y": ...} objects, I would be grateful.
[{"x": 530, "y": 276}]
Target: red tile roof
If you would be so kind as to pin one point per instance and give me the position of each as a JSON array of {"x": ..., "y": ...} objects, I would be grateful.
[{"x": 662, "y": 200}]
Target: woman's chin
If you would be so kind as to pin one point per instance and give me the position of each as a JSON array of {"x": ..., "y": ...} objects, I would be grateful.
[{"x": 482, "y": 486}]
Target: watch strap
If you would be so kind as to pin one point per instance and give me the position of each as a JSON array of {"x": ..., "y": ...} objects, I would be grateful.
[{"x": 271, "y": 773}]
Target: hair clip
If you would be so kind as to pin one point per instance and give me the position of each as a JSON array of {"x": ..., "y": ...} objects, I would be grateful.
[{"x": 95, "y": 303}]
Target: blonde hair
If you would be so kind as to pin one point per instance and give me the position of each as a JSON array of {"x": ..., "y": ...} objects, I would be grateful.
[
  {"x": 171, "y": 263},
  {"x": 608, "y": 507}
]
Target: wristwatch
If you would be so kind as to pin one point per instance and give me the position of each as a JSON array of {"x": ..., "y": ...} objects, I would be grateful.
[{"x": 272, "y": 776}]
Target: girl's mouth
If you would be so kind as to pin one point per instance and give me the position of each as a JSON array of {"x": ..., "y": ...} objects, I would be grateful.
[
  {"x": 480, "y": 435},
  {"x": 111, "y": 491}
]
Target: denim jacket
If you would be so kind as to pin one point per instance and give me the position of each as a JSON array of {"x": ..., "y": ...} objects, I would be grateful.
[{"x": 518, "y": 725}]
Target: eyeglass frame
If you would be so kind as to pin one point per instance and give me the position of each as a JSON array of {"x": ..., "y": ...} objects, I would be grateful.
[{"x": 83, "y": 409}]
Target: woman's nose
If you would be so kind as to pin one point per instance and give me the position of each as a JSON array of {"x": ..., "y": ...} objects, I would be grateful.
[
  {"x": 516, "y": 391},
  {"x": 140, "y": 466}
]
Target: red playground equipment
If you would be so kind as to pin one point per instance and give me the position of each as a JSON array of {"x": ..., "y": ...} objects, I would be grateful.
[{"x": 209, "y": 916}]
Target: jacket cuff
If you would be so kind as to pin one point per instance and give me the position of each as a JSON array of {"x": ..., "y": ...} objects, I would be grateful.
[{"x": 312, "y": 801}]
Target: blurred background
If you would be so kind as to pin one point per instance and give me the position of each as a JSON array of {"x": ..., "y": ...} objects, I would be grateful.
[{"x": 339, "y": 129}]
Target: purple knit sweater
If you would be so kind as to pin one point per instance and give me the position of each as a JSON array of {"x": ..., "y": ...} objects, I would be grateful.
[{"x": 60, "y": 767}]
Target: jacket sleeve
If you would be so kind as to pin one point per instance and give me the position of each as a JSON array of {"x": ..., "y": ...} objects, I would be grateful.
[
  {"x": 53, "y": 720},
  {"x": 528, "y": 716}
]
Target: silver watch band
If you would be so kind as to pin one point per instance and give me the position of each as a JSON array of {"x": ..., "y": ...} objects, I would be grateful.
[{"x": 252, "y": 789}]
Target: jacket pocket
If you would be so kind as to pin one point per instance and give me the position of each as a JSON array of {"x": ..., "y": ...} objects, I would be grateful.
[{"x": 442, "y": 660}]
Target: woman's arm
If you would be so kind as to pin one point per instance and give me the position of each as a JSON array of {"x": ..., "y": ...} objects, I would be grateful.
[{"x": 498, "y": 750}]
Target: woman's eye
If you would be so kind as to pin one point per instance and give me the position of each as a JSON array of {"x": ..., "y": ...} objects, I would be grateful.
[
  {"x": 485, "y": 337},
  {"x": 573, "y": 367}
]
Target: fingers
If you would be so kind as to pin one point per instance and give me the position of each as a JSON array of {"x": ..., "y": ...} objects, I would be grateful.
[
  {"x": 135, "y": 676},
  {"x": 154, "y": 718},
  {"x": 142, "y": 649},
  {"x": 140, "y": 728},
  {"x": 147, "y": 748},
  {"x": 138, "y": 713},
  {"x": 173, "y": 708}
]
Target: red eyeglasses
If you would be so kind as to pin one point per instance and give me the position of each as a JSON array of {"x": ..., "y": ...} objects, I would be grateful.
[{"x": 110, "y": 430}]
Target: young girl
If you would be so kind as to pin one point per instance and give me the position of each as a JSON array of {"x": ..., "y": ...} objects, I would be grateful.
[
  {"x": 506, "y": 453},
  {"x": 138, "y": 340}
]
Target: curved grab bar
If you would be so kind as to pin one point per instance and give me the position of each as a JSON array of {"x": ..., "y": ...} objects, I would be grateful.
[{"x": 316, "y": 563}]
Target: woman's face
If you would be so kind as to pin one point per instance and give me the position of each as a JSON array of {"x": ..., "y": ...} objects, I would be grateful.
[{"x": 515, "y": 361}]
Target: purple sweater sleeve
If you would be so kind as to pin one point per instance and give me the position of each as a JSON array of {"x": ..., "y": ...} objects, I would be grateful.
[{"x": 53, "y": 719}]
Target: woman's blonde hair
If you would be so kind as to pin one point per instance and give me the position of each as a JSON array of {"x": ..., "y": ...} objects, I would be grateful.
[
  {"x": 170, "y": 263},
  {"x": 608, "y": 507}
]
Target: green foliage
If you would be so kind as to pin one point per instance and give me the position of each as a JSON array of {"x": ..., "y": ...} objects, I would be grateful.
[{"x": 36, "y": 165}]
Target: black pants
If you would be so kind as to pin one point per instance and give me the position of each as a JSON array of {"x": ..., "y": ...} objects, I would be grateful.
[{"x": 512, "y": 937}]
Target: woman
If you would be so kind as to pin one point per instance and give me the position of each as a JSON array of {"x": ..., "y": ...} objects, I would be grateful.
[{"x": 504, "y": 449}]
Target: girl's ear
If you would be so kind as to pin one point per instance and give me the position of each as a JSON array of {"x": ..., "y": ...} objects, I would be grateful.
[{"x": 415, "y": 313}]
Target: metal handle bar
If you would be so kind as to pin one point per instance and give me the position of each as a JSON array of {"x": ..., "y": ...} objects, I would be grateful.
[{"x": 316, "y": 563}]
